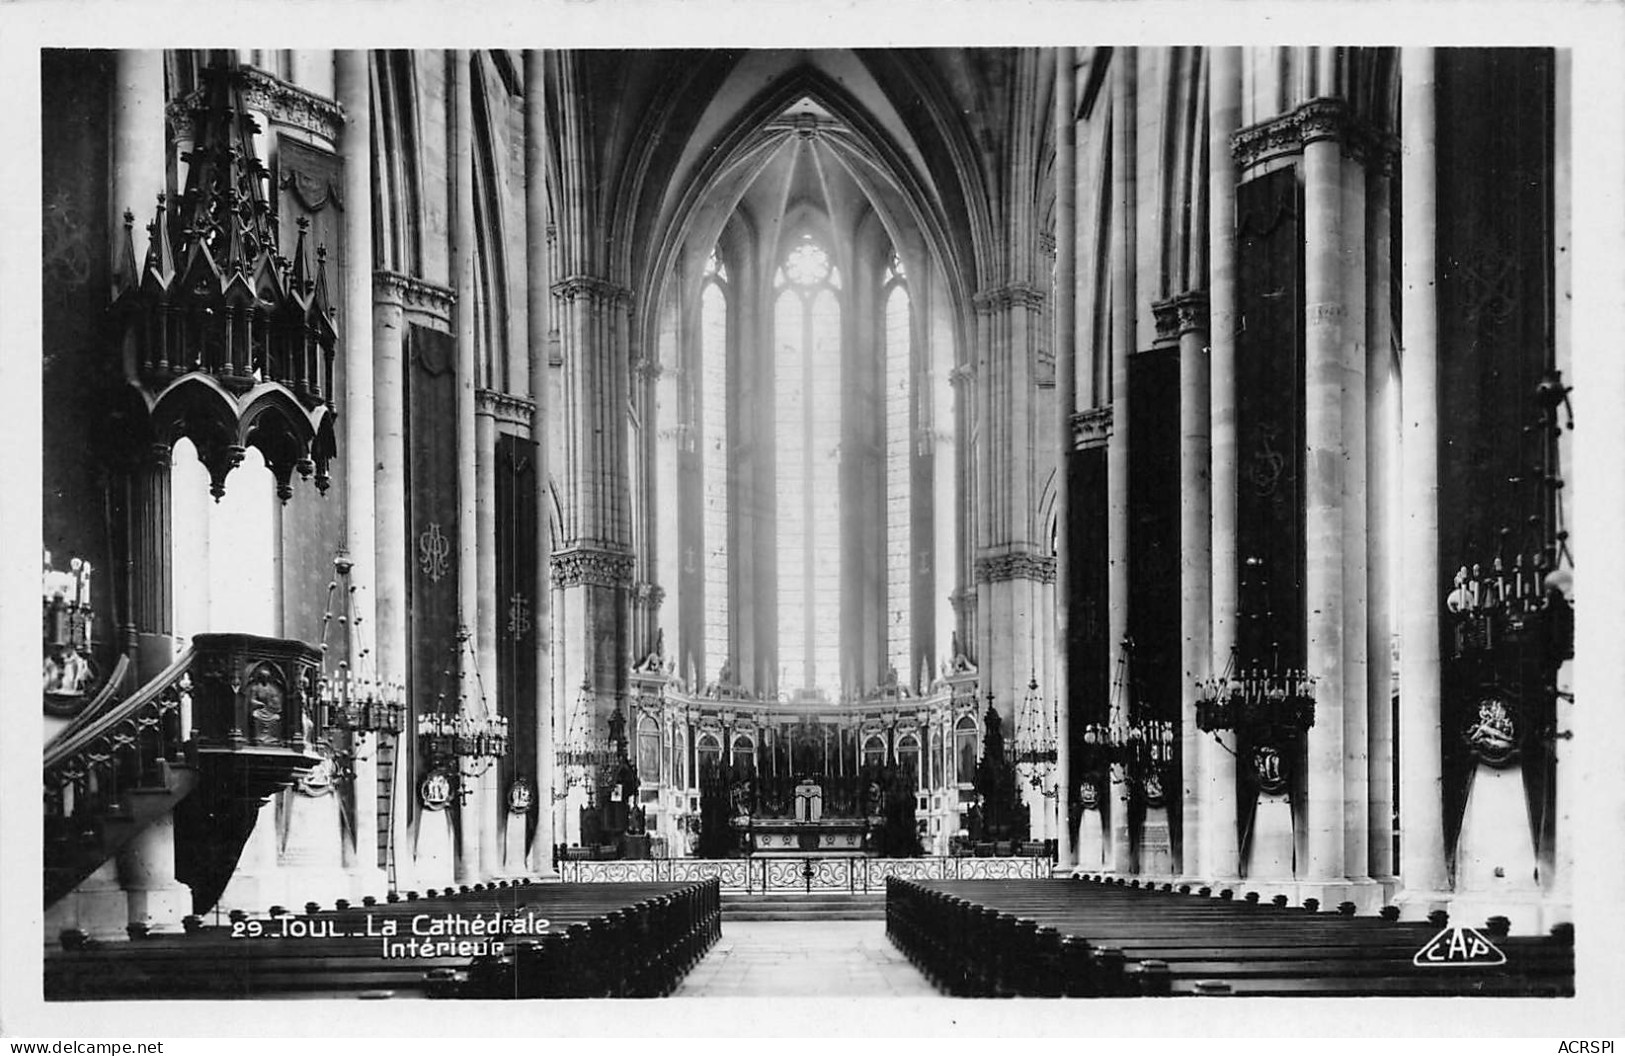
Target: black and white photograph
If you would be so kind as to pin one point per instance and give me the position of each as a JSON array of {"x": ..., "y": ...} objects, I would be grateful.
[{"x": 867, "y": 523}]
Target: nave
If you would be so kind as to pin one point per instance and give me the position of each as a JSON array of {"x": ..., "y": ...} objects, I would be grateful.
[
  {"x": 611, "y": 469},
  {"x": 1085, "y": 937}
]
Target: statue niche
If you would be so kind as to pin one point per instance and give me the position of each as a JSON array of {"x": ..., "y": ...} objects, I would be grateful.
[{"x": 266, "y": 699}]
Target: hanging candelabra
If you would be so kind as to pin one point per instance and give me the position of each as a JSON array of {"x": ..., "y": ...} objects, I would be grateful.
[
  {"x": 583, "y": 752},
  {"x": 1259, "y": 696},
  {"x": 353, "y": 702},
  {"x": 1035, "y": 750},
  {"x": 1512, "y": 623},
  {"x": 1142, "y": 746},
  {"x": 356, "y": 699},
  {"x": 1522, "y": 601},
  {"x": 461, "y": 747}
]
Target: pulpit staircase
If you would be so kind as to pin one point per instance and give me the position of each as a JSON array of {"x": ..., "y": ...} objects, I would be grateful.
[
  {"x": 119, "y": 766},
  {"x": 206, "y": 741}
]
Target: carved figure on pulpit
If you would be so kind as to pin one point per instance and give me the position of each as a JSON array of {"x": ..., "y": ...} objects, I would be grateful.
[{"x": 265, "y": 698}]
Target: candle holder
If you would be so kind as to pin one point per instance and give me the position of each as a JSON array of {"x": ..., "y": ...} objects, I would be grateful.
[
  {"x": 1035, "y": 749},
  {"x": 70, "y": 677},
  {"x": 1259, "y": 696},
  {"x": 1137, "y": 746},
  {"x": 354, "y": 701}
]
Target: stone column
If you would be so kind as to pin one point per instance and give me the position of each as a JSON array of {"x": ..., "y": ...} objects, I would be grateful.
[
  {"x": 1570, "y": 788},
  {"x": 962, "y": 595},
  {"x": 1321, "y": 817},
  {"x": 468, "y": 580},
  {"x": 538, "y": 301},
  {"x": 1195, "y": 560},
  {"x": 136, "y": 158},
  {"x": 1124, "y": 304},
  {"x": 486, "y": 702},
  {"x": 1421, "y": 849},
  {"x": 1356, "y": 771},
  {"x": 360, "y": 464},
  {"x": 1009, "y": 557},
  {"x": 151, "y": 587},
  {"x": 137, "y": 148},
  {"x": 1066, "y": 351},
  {"x": 146, "y": 869},
  {"x": 1382, "y": 439},
  {"x": 1219, "y": 851},
  {"x": 389, "y": 531}
]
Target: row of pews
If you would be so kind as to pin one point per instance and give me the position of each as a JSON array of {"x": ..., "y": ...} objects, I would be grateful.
[
  {"x": 556, "y": 940},
  {"x": 1109, "y": 937}
]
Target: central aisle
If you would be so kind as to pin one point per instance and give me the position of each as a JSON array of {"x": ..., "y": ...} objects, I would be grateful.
[{"x": 827, "y": 958}]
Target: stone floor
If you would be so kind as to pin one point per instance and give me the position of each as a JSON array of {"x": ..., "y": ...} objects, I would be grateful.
[{"x": 830, "y": 958}]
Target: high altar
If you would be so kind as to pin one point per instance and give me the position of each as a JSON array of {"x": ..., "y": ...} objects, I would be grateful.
[{"x": 804, "y": 776}]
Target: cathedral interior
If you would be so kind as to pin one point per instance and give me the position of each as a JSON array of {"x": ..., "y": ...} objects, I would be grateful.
[{"x": 474, "y": 471}]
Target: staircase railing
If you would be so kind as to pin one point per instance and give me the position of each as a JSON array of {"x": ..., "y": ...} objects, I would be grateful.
[{"x": 89, "y": 766}]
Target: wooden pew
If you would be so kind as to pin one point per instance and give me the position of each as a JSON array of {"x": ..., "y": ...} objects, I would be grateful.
[
  {"x": 614, "y": 940},
  {"x": 1048, "y": 938}
]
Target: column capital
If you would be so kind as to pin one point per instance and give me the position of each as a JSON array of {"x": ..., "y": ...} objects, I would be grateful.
[
  {"x": 1322, "y": 119},
  {"x": 1191, "y": 307},
  {"x": 589, "y": 565},
  {"x": 284, "y": 103},
  {"x": 430, "y": 302},
  {"x": 1019, "y": 564},
  {"x": 962, "y": 375},
  {"x": 1328, "y": 118},
  {"x": 647, "y": 369},
  {"x": 1091, "y": 428},
  {"x": 601, "y": 292},
  {"x": 1010, "y": 295},
  {"x": 1166, "y": 316},
  {"x": 504, "y": 407}
]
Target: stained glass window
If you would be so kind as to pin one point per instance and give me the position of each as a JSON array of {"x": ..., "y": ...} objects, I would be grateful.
[
  {"x": 899, "y": 493},
  {"x": 807, "y": 408},
  {"x": 714, "y": 461}
]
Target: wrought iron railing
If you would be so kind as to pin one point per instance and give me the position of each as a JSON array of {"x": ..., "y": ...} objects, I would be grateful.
[
  {"x": 89, "y": 764},
  {"x": 833, "y": 875}
]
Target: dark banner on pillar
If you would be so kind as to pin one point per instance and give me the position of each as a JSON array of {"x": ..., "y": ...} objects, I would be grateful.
[
  {"x": 517, "y": 549},
  {"x": 76, "y": 367},
  {"x": 312, "y": 530},
  {"x": 1269, "y": 420},
  {"x": 1495, "y": 344},
  {"x": 1089, "y": 676},
  {"x": 1270, "y": 442},
  {"x": 431, "y": 499},
  {"x": 1153, "y": 617}
]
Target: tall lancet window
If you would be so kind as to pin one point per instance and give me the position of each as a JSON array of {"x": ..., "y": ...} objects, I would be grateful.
[
  {"x": 807, "y": 412},
  {"x": 714, "y": 458},
  {"x": 899, "y": 457}
]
